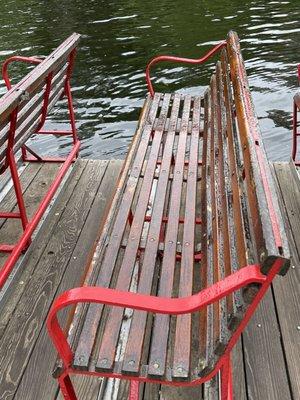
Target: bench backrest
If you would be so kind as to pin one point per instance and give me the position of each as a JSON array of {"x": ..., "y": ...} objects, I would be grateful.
[
  {"x": 24, "y": 107},
  {"x": 245, "y": 221}
]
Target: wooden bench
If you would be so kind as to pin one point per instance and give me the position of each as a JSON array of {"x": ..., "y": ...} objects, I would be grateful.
[
  {"x": 194, "y": 230},
  {"x": 23, "y": 112}
]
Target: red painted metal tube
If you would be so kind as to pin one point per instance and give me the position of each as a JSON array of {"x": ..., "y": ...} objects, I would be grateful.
[
  {"x": 170, "y": 306},
  {"x": 6, "y": 248},
  {"x": 9, "y": 215},
  {"x": 30, "y": 60},
  {"x": 7, "y": 267},
  {"x": 184, "y": 60}
]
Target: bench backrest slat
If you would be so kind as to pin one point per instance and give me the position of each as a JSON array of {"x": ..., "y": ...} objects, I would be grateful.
[
  {"x": 262, "y": 198},
  {"x": 28, "y": 96}
]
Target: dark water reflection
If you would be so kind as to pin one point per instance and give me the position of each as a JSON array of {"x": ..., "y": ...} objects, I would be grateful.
[{"x": 120, "y": 36}]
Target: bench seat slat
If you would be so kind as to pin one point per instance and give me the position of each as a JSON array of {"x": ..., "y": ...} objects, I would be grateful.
[
  {"x": 109, "y": 340},
  {"x": 134, "y": 346},
  {"x": 183, "y": 334},
  {"x": 161, "y": 326},
  {"x": 86, "y": 340}
]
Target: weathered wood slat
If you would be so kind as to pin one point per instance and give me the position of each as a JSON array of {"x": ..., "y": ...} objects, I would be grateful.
[
  {"x": 183, "y": 334},
  {"x": 159, "y": 345},
  {"x": 266, "y": 218},
  {"x": 29, "y": 83},
  {"x": 237, "y": 253},
  {"x": 204, "y": 326},
  {"x": 109, "y": 340},
  {"x": 133, "y": 354},
  {"x": 35, "y": 102},
  {"x": 86, "y": 340},
  {"x": 28, "y": 127},
  {"x": 216, "y": 205}
]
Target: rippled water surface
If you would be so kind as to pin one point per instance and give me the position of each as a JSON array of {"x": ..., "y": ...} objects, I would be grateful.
[{"x": 120, "y": 36}]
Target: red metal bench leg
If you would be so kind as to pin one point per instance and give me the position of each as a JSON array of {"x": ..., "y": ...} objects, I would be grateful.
[
  {"x": 67, "y": 388},
  {"x": 134, "y": 390},
  {"x": 226, "y": 380}
]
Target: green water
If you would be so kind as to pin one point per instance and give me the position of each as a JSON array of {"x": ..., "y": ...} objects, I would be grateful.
[{"x": 119, "y": 37}]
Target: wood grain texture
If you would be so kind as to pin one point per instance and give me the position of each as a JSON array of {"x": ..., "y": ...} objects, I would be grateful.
[
  {"x": 21, "y": 335},
  {"x": 11, "y": 229},
  {"x": 287, "y": 289},
  {"x": 73, "y": 276},
  {"x": 264, "y": 356}
]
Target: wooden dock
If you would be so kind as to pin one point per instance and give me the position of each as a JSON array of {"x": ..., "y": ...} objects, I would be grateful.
[{"x": 266, "y": 360}]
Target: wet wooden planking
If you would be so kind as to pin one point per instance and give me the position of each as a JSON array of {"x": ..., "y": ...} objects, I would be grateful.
[
  {"x": 286, "y": 290},
  {"x": 133, "y": 353},
  {"x": 183, "y": 335},
  {"x": 87, "y": 337},
  {"x": 73, "y": 276},
  {"x": 40, "y": 290},
  {"x": 160, "y": 334},
  {"x": 107, "y": 351}
]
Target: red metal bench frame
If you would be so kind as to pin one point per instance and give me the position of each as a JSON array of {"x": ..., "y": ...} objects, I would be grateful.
[
  {"x": 11, "y": 164},
  {"x": 172, "y": 306}
]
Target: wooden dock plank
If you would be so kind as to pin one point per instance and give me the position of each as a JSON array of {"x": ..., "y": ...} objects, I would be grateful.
[
  {"x": 35, "y": 181},
  {"x": 107, "y": 172},
  {"x": 264, "y": 358},
  {"x": 287, "y": 289},
  {"x": 21, "y": 335},
  {"x": 270, "y": 343}
]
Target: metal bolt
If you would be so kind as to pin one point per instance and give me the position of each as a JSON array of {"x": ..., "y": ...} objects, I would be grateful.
[
  {"x": 180, "y": 370},
  {"x": 152, "y": 239},
  {"x": 259, "y": 325},
  {"x": 156, "y": 365},
  {"x": 293, "y": 267},
  {"x": 131, "y": 362},
  {"x": 75, "y": 258},
  {"x": 298, "y": 328},
  {"x": 21, "y": 282},
  {"x": 56, "y": 214}
]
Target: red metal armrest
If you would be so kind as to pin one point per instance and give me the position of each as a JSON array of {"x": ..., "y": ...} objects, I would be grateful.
[
  {"x": 161, "y": 305},
  {"x": 161, "y": 58},
  {"x": 30, "y": 60}
]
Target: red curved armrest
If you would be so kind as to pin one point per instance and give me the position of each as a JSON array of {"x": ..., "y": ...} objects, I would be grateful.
[
  {"x": 162, "y": 305},
  {"x": 201, "y": 60},
  {"x": 30, "y": 60}
]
